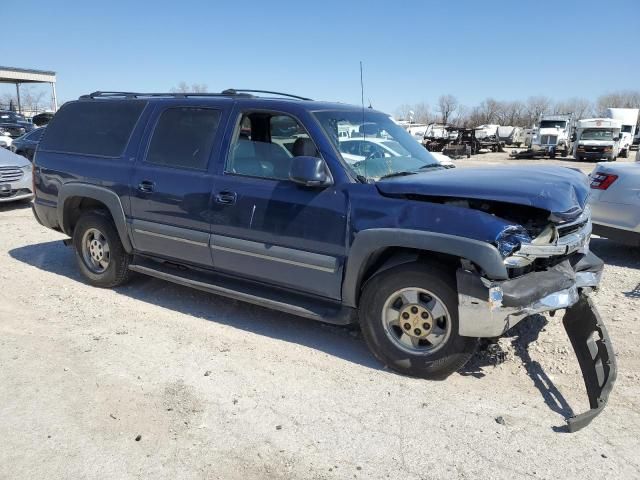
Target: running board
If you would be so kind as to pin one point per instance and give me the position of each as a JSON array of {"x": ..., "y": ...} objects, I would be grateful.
[{"x": 247, "y": 291}]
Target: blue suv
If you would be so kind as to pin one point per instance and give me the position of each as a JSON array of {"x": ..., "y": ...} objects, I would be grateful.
[{"x": 327, "y": 211}]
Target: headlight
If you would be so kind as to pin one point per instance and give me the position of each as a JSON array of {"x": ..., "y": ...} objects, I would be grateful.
[
  {"x": 510, "y": 240},
  {"x": 27, "y": 168}
]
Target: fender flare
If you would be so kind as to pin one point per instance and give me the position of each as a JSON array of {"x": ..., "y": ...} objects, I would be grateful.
[
  {"x": 368, "y": 242},
  {"x": 101, "y": 194}
]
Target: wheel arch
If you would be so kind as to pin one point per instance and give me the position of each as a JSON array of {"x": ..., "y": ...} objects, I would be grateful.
[
  {"x": 376, "y": 250},
  {"x": 75, "y": 198}
]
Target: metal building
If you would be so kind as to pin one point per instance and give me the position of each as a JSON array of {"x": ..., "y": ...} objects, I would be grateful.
[{"x": 18, "y": 76}]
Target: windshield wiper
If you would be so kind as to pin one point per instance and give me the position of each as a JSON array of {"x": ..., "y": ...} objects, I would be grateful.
[
  {"x": 430, "y": 165},
  {"x": 398, "y": 174}
]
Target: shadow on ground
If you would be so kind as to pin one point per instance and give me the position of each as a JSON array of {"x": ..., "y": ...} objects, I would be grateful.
[
  {"x": 614, "y": 253},
  {"x": 522, "y": 336},
  {"x": 17, "y": 205},
  {"x": 342, "y": 342}
]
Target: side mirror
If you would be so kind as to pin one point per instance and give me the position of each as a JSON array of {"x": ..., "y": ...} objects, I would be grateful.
[
  {"x": 309, "y": 171},
  {"x": 574, "y": 137}
]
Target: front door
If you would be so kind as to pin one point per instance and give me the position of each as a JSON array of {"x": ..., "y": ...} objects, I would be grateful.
[
  {"x": 264, "y": 226},
  {"x": 171, "y": 184}
]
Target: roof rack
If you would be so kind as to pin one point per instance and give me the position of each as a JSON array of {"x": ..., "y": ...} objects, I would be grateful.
[
  {"x": 231, "y": 92},
  {"x": 236, "y": 91}
]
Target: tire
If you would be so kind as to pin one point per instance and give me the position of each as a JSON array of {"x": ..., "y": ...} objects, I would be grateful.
[
  {"x": 114, "y": 269},
  {"x": 624, "y": 154},
  {"x": 435, "y": 362}
]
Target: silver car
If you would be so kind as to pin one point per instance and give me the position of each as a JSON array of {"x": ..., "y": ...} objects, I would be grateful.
[
  {"x": 615, "y": 201},
  {"x": 16, "y": 173}
]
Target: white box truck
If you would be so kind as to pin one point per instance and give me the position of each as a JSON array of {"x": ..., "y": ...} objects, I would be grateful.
[
  {"x": 598, "y": 138},
  {"x": 629, "y": 119}
]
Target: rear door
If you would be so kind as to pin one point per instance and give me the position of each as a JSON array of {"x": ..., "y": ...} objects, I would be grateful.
[{"x": 171, "y": 184}]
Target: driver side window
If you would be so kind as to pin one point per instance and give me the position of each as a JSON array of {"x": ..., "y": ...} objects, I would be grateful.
[{"x": 265, "y": 143}]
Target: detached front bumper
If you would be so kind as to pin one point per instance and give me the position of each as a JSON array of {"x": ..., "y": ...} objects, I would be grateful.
[{"x": 488, "y": 309}]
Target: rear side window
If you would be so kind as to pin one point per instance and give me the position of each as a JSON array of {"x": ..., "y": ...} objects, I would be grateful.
[
  {"x": 93, "y": 128},
  {"x": 183, "y": 137}
]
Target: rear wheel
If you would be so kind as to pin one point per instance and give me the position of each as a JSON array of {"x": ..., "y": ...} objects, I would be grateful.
[
  {"x": 100, "y": 255},
  {"x": 409, "y": 319}
]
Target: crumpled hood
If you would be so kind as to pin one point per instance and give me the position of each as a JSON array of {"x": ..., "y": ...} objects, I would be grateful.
[{"x": 561, "y": 191}]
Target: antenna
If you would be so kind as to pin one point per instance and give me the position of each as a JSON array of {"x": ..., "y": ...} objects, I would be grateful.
[{"x": 364, "y": 129}]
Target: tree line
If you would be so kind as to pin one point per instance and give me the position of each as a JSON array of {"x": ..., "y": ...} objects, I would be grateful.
[{"x": 514, "y": 112}]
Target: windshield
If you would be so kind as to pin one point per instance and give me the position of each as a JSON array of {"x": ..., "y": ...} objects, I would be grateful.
[
  {"x": 597, "y": 134},
  {"x": 376, "y": 146},
  {"x": 552, "y": 124}
]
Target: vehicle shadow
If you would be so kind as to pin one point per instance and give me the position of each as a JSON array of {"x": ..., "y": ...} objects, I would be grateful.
[
  {"x": 342, "y": 342},
  {"x": 522, "y": 336},
  {"x": 17, "y": 205},
  {"x": 614, "y": 253}
]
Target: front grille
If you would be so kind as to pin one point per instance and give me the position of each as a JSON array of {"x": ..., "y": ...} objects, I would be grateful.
[
  {"x": 594, "y": 149},
  {"x": 548, "y": 139},
  {"x": 10, "y": 174},
  {"x": 563, "y": 231}
]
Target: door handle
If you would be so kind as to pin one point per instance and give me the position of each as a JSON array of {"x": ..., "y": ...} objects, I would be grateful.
[
  {"x": 226, "y": 198},
  {"x": 146, "y": 186}
]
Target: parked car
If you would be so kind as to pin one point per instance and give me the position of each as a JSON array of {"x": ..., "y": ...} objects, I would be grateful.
[
  {"x": 26, "y": 144},
  {"x": 5, "y": 140},
  {"x": 615, "y": 201},
  {"x": 14, "y": 124},
  {"x": 428, "y": 260},
  {"x": 15, "y": 177}
]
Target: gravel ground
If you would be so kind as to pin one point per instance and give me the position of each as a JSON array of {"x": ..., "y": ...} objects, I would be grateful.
[{"x": 153, "y": 380}]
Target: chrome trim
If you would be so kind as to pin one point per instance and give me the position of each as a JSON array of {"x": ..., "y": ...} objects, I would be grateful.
[
  {"x": 169, "y": 237},
  {"x": 275, "y": 259},
  {"x": 562, "y": 245}
]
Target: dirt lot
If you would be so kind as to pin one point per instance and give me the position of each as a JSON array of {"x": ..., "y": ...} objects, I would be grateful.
[{"x": 218, "y": 389}]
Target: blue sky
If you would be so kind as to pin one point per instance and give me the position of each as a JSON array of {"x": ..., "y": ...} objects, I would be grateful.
[{"x": 412, "y": 51}]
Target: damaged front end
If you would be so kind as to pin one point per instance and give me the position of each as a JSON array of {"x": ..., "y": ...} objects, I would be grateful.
[{"x": 548, "y": 271}]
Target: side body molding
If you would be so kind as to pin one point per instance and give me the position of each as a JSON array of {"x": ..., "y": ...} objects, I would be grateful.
[
  {"x": 368, "y": 242},
  {"x": 101, "y": 194}
]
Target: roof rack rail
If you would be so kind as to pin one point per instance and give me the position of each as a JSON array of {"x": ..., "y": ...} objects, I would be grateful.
[
  {"x": 236, "y": 91},
  {"x": 101, "y": 94},
  {"x": 231, "y": 92}
]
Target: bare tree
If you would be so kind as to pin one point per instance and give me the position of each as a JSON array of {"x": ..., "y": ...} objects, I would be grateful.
[
  {"x": 447, "y": 105},
  {"x": 421, "y": 113},
  {"x": 402, "y": 112},
  {"x": 537, "y": 106},
  {"x": 183, "y": 87},
  {"x": 32, "y": 99},
  {"x": 621, "y": 99},
  {"x": 580, "y": 107}
]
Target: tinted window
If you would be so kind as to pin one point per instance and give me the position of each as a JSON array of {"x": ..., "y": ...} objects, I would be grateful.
[
  {"x": 93, "y": 127},
  {"x": 184, "y": 137}
]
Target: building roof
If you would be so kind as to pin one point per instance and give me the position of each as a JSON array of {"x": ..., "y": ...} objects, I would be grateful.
[{"x": 26, "y": 75}]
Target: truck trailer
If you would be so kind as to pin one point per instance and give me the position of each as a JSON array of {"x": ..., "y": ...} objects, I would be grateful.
[{"x": 629, "y": 119}]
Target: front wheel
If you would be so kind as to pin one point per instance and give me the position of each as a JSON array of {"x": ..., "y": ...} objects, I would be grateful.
[{"x": 409, "y": 319}]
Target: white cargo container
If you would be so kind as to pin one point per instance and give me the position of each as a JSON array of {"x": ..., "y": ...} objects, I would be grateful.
[{"x": 629, "y": 119}]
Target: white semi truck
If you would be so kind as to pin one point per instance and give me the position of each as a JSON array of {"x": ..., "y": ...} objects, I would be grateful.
[
  {"x": 598, "y": 138},
  {"x": 629, "y": 118},
  {"x": 554, "y": 135}
]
